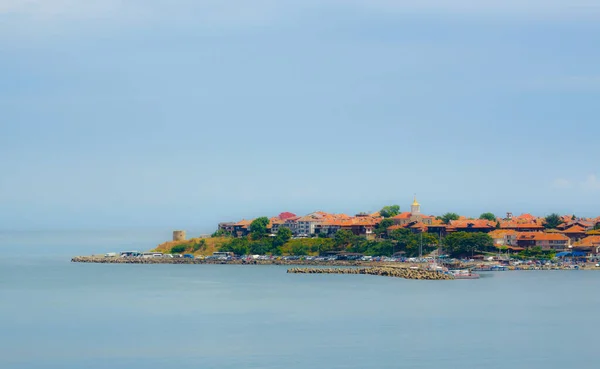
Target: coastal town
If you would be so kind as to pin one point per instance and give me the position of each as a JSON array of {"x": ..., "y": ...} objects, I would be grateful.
[
  {"x": 389, "y": 242},
  {"x": 566, "y": 235}
]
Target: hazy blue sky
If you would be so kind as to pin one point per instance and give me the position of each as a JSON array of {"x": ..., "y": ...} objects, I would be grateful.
[{"x": 186, "y": 113}]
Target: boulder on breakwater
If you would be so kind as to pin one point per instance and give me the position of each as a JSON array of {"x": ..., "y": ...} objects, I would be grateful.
[
  {"x": 168, "y": 260},
  {"x": 120, "y": 260},
  {"x": 406, "y": 273}
]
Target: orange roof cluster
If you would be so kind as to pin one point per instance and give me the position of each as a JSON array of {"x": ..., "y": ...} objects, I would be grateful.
[
  {"x": 541, "y": 236},
  {"x": 520, "y": 225},
  {"x": 525, "y": 218},
  {"x": 472, "y": 223},
  {"x": 574, "y": 229},
  {"x": 582, "y": 223},
  {"x": 408, "y": 215},
  {"x": 497, "y": 233},
  {"x": 275, "y": 220},
  {"x": 588, "y": 241},
  {"x": 347, "y": 221},
  {"x": 421, "y": 226},
  {"x": 243, "y": 223}
]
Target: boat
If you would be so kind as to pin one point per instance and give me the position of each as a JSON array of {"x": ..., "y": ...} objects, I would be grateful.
[
  {"x": 437, "y": 268},
  {"x": 490, "y": 268},
  {"x": 463, "y": 274}
]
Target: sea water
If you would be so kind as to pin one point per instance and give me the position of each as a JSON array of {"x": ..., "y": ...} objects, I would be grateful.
[{"x": 58, "y": 314}]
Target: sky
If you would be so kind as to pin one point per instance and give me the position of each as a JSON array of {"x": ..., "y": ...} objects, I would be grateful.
[{"x": 186, "y": 113}]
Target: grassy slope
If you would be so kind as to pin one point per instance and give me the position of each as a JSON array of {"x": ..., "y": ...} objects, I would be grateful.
[{"x": 212, "y": 245}]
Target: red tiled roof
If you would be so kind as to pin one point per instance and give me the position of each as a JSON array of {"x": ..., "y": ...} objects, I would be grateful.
[
  {"x": 527, "y": 217},
  {"x": 286, "y": 215},
  {"x": 588, "y": 241},
  {"x": 541, "y": 236},
  {"x": 575, "y": 229},
  {"x": 275, "y": 220},
  {"x": 515, "y": 225},
  {"x": 472, "y": 223},
  {"x": 502, "y": 232},
  {"x": 243, "y": 223},
  {"x": 405, "y": 215}
]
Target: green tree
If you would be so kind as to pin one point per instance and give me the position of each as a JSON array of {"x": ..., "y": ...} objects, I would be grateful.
[
  {"x": 178, "y": 249},
  {"x": 258, "y": 227},
  {"x": 446, "y": 218},
  {"x": 466, "y": 243},
  {"x": 343, "y": 238},
  {"x": 220, "y": 233},
  {"x": 381, "y": 228},
  {"x": 380, "y": 248},
  {"x": 597, "y": 226},
  {"x": 390, "y": 211},
  {"x": 552, "y": 221},
  {"x": 488, "y": 216},
  {"x": 284, "y": 234},
  {"x": 239, "y": 246},
  {"x": 200, "y": 245},
  {"x": 299, "y": 249},
  {"x": 536, "y": 253},
  {"x": 322, "y": 246},
  {"x": 262, "y": 247}
]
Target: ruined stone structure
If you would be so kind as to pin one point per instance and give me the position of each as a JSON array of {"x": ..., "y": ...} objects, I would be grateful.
[{"x": 178, "y": 235}]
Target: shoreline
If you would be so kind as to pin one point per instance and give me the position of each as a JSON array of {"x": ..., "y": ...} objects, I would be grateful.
[
  {"x": 324, "y": 263},
  {"x": 120, "y": 260}
]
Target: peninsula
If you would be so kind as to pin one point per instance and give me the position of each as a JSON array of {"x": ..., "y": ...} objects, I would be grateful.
[{"x": 387, "y": 236}]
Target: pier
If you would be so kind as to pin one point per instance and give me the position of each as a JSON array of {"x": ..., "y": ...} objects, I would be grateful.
[{"x": 406, "y": 273}]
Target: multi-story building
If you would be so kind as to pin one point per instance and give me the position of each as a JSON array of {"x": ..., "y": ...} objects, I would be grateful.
[
  {"x": 504, "y": 237},
  {"x": 590, "y": 244},
  {"x": 412, "y": 216},
  {"x": 575, "y": 232},
  {"x": 227, "y": 227},
  {"x": 522, "y": 226},
  {"x": 241, "y": 228},
  {"x": 547, "y": 241},
  {"x": 471, "y": 225},
  {"x": 291, "y": 224},
  {"x": 274, "y": 224},
  {"x": 308, "y": 223}
]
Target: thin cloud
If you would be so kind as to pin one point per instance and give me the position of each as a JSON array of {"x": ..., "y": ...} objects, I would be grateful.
[
  {"x": 591, "y": 183},
  {"x": 562, "y": 183}
]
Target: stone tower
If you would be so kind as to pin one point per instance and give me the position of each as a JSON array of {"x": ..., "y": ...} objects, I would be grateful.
[
  {"x": 415, "y": 208},
  {"x": 178, "y": 235}
]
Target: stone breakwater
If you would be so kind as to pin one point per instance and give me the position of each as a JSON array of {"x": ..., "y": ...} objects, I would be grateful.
[
  {"x": 406, "y": 273},
  {"x": 164, "y": 260}
]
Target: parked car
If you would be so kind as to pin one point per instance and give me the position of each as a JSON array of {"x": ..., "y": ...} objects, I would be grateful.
[{"x": 188, "y": 256}]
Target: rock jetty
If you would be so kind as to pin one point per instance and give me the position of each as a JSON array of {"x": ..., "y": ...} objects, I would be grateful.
[
  {"x": 101, "y": 259},
  {"x": 406, "y": 273}
]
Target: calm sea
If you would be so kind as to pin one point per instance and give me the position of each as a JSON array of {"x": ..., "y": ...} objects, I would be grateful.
[{"x": 55, "y": 314}]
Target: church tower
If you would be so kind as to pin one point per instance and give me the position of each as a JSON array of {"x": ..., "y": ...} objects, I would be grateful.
[{"x": 415, "y": 208}]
